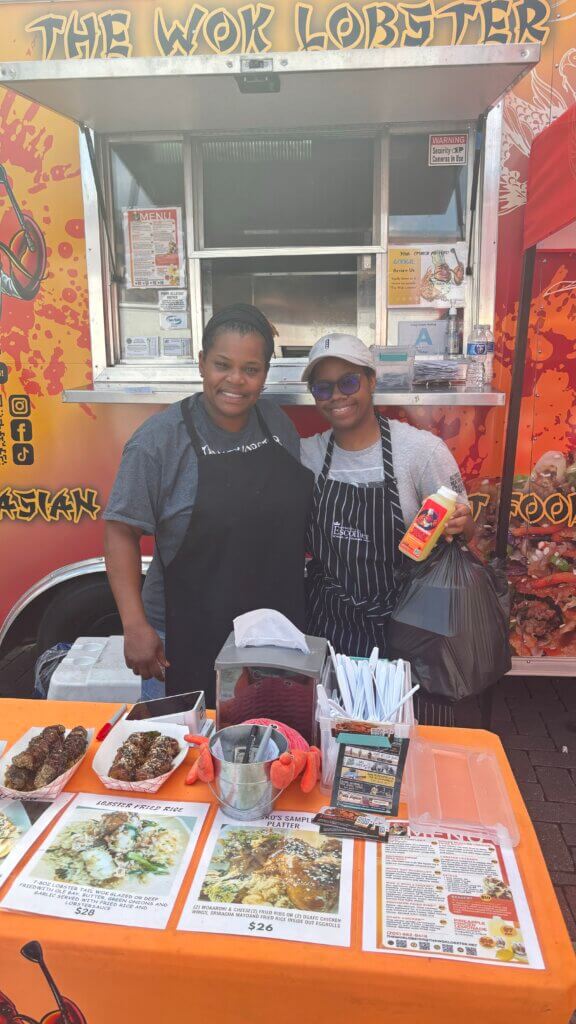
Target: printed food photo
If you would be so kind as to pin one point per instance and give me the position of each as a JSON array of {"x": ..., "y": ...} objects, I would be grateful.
[
  {"x": 117, "y": 850},
  {"x": 261, "y": 866}
]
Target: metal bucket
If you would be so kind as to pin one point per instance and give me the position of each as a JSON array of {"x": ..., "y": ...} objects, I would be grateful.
[{"x": 244, "y": 791}]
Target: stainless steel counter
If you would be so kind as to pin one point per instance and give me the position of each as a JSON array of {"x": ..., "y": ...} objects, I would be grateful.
[{"x": 164, "y": 393}]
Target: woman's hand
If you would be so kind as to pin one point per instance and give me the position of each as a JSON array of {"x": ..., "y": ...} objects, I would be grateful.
[
  {"x": 460, "y": 522},
  {"x": 144, "y": 652}
]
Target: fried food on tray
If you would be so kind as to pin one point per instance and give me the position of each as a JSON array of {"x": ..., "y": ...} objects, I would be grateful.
[
  {"x": 75, "y": 744},
  {"x": 144, "y": 755},
  {"x": 18, "y": 778},
  {"x": 46, "y": 757}
]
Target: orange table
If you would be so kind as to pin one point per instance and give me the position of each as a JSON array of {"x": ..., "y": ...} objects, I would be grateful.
[{"x": 132, "y": 975}]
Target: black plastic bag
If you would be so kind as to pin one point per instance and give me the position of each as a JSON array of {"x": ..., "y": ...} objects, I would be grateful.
[{"x": 451, "y": 624}]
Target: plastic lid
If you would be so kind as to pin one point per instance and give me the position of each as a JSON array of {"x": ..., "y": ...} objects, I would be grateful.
[
  {"x": 459, "y": 789},
  {"x": 446, "y": 492}
]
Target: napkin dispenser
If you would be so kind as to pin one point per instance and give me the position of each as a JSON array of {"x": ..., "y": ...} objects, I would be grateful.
[{"x": 270, "y": 682}]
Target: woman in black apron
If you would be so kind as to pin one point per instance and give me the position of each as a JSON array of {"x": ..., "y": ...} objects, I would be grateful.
[
  {"x": 355, "y": 530},
  {"x": 236, "y": 553}
]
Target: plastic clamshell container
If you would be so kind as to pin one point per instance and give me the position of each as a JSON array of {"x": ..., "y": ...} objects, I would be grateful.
[
  {"x": 105, "y": 755},
  {"x": 458, "y": 789},
  {"x": 394, "y": 366}
]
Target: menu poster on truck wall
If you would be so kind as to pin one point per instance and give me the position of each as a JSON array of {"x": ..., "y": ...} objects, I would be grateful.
[
  {"x": 273, "y": 878},
  {"x": 154, "y": 248},
  {"x": 112, "y": 860},
  {"x": 427, "y": 275},
  {"x": 455, "y": 897}
]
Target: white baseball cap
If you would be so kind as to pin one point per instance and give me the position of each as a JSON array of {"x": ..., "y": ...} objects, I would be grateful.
[{"x": 338, "y": 346}]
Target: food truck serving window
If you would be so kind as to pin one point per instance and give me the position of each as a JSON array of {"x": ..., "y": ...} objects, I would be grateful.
[
  {"x": 147, "y": 181},
  {"x": 304, "y": 225}
]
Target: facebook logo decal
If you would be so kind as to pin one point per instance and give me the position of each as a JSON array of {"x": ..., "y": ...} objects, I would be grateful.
[{"x": 21, "y": 430}]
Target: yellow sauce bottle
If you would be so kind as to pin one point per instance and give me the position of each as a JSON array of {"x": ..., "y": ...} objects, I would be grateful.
[{"x": 429, "y": 524}]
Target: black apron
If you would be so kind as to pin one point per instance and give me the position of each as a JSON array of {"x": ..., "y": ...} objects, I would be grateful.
[
  {"x": 353, "y": 538},
  {"x": 244, "y": 549}
]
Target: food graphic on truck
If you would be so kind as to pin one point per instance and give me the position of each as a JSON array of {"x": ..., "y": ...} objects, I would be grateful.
[{"x": 23, "y": 256}]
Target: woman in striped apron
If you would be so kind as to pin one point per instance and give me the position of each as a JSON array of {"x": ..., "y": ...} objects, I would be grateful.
[{"x": 371, "y": 477}]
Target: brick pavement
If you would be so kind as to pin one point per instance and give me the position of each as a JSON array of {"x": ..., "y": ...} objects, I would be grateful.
[{"x": 536, "y": 721}]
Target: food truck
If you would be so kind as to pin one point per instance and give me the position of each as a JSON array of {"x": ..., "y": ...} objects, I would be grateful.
[{"x": 347, "y": 167}]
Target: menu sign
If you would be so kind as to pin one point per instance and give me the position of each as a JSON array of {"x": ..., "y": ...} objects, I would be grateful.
[
  {"x": 154, "y": 248},
  {"x": 427, "y": 275},
  {"x": 111, "y": 860},
  {"x": 455, "y": 897},
  {"x": 275, "y": 878}
]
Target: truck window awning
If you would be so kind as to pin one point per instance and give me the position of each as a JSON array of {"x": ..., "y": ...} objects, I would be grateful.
[{"x": 356, "y": 87}]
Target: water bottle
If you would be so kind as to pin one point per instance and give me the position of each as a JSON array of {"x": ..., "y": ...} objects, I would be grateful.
[
  {"x": 489, "y": 357},
  {"x": 452, "y": 334},
  {"x": 476, "y": 353}
]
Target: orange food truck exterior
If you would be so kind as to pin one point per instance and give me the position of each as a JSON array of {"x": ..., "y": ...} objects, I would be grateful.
[{"x": 91, "y": 344}]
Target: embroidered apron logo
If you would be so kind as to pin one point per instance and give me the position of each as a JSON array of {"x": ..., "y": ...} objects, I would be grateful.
[{"x": 341, "y": 532}]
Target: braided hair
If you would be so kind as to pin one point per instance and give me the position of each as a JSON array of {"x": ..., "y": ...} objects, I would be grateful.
[{"x": 242, "y": 319}]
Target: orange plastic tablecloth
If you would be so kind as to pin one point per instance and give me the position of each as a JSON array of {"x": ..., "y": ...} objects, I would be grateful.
[{"x": 134, "y": 975}]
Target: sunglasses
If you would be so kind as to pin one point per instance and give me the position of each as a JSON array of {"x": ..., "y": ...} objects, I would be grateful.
[{"x": 348, "y": 384}]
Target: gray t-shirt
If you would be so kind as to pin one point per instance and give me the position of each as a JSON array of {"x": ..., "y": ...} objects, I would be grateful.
[
  {"x": 155, "y": 487},
  {"x": 421, "y": 461}
]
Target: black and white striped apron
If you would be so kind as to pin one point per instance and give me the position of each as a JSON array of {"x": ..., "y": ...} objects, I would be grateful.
[
  {"x": 353, "y": 539},
  {"x": 352, "y": 577}
]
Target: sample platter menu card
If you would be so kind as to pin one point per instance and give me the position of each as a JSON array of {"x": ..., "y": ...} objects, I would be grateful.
[
  {"x": 448, "y": 896},
  {"x": 273, "y": 878},
  {"x": 111, "y": 860}
]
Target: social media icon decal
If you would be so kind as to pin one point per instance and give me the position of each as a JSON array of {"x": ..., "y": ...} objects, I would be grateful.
[
  {"x": 19, "y": 405},
  {"x": 3, "y": 373},
  {"x": 22, "y": 454},
  {"x": 21, "y": 430}
]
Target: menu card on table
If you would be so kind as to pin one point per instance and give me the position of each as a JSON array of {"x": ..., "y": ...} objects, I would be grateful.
[
  {"x": 22, "y": 822},
  {"x": 111, "y": 860},
  {"x": 273, "y": 878},
  {"x": 455, "y": 897}
]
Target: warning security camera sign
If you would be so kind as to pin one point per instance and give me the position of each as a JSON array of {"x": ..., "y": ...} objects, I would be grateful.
[{"x": 447, "y": 150}]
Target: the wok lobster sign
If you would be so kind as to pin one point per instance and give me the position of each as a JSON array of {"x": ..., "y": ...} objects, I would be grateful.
[{"x": 66, "y": 1012}]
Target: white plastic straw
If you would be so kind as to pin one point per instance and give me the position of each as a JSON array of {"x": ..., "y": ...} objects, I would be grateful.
[
  {"x": 403, "y": 701},
  {"x": 370, "y": 689}
]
